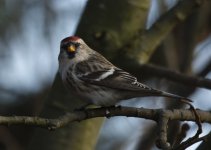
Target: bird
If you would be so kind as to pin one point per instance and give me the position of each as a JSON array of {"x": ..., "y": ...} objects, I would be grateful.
[{"x": 90, "y": 76}]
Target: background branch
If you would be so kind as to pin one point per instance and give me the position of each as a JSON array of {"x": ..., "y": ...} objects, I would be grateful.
[
  {"x": 175, "y": 76},
  {"x": 145, "y": 44}
]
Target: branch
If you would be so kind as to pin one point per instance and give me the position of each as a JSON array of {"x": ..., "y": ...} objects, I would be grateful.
[
  {"x": 151, "y": 114},
  {"x": 203, "y": 138},
  {"x": 162, "y": 134},
  {"x": 205, "y": 70},
  {"x": 145, "y": 43},
  {"x": 159, "y": 115},
  {"x": 176, "y": 76}
]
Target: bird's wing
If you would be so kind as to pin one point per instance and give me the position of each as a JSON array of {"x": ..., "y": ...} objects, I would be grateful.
[
  {"x": 113, "y": 78},
  {"x": 104, "y": 73}
]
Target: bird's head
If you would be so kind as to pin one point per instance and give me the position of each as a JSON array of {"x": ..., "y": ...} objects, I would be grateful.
[
  {"x": 70, "y": 46},
  {"x": 73, "y": 49}
]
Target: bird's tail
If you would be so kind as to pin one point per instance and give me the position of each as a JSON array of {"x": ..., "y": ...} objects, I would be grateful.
[
  {"x": 155, "y": 92},
  {"x": 166, "y": 94}
]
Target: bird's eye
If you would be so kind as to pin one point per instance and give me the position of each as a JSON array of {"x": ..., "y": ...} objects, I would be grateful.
[{"x": 77, "y": 45}]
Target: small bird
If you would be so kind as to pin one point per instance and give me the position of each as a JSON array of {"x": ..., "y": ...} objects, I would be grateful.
[{"x": 97, "y": 81}]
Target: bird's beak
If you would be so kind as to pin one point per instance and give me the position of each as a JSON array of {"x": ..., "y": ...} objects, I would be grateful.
[{"x": 71, "y": 48}]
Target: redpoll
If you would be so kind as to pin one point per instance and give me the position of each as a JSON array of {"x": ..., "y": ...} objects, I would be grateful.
[{"x": 95, "y": 80}]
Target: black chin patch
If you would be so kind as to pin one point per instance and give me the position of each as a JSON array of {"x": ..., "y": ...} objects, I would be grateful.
[{"x": 71, "y": 55}]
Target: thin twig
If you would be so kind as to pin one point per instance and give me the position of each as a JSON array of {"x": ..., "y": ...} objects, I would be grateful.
[
  {"x": 203, "y": 138},
  {"x": 182, "y": 134},
  {"x": 184, "y": 144},
  {"x": 175, "y": 76}
]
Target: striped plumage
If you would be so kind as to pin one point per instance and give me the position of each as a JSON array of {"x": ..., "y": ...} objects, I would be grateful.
[{"x": 89, "y": 75}]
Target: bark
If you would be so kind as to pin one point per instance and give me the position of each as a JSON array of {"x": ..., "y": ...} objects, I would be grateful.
[{"x": 108, "y": 25}]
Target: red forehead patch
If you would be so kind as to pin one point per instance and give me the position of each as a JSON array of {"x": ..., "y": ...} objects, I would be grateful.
[{"x": 70, "y": 38}]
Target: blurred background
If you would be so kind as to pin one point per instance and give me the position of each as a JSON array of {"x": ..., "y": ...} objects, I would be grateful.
[{"x": 30, "y": 35}]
